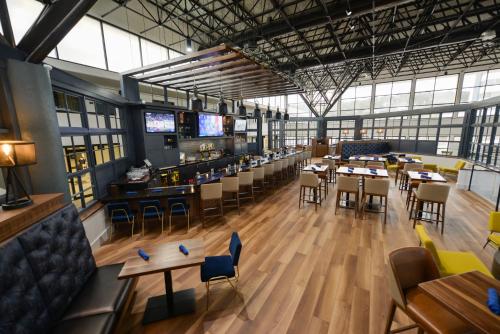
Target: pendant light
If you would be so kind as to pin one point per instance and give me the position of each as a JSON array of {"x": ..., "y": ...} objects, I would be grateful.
[
  {"x": 222, "y": 105},
  {"x": 256, "y": 111},
  {"x": 278, "y": 114},
  {"x": 242, "y": 110},
  {"x": 286, "y": 117},
  {"x": 269, "y": 113},
  {"x": 196, "y": 103}
]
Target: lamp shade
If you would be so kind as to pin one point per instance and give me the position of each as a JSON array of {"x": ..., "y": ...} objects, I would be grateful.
[
  {"x": 269, "y": 113},
  {"x": 278, "y": 114},
  {"x": 242, "y": 110},
  {"x": 222, "y": 108},
  {"x": 17, "y": 153},
  {"x": 256, "y": 112}
]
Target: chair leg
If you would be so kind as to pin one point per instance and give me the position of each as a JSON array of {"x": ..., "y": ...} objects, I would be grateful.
[
  {"x": 238, "y": 201},
  {"x": 412, "y": 206},
  {"x": 487, "y": 242},
  {"x": 337, "y": 201},
  {"x": 316, "y": 199},
  {"x": 202, "y": 213},
  {"x": 170, "y": 223},
  {"x": 442, "y": 222},
  {"x": 143, "y": 224},
  {"x": 300, "y": 196},
  {"x": 390, "y": 317},
  {"x": 221, "y": 208},
  {"x": 189, "y": 214},
  {"x": 416, "y": 214},
  {"x": 207, "y": 285},
  {"x": 385, "y": 209}
]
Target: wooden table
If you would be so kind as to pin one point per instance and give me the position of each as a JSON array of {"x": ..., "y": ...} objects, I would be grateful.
[
  {"x": 163, "y": 259},
  {"x": 315, "y": 168},
  {"x": 366, "y": 158},
  {"x": 434, "y": 177},
  {"x": 465, "y": 296},
  {"x": 411, "y": 161},
  {"x": 362, "y": 172}
]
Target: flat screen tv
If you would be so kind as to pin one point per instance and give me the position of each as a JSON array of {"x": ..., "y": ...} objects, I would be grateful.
[
  {"x": 240, "y": 125},
  {"x": 210, "y": 125},
  {"x": 159, "y": 122}
]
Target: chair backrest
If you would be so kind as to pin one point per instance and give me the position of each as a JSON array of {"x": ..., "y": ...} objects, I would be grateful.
[
  {"x": 409, "y": 267},
  {"x": 459, "y": 164},
  {"x": 494, "y": 222},
  {"x": 246, "y": 178},
  {"x": 352, "y": 166},
  {"x": 277, "y": 165},
  {"x": 358, "y": 163},
  {"x": 118, "y": 206},
  {"x": 427, "y": 243},
  {"x": 375, "y": 164},
  {"x": 230, "y": 184},
  {"x": 176, "y": 201},
  {"x": 433, "y": 192},
  {"x": 308, "y": 154},
  {"x": 432, "y": 167},
  {"x": 149, "y": 203},
  {"x": 269, "y": 169},
  {"x": 347, "y": 184},
  {"x": 284, "y": 163},
  {"x": 235, "y": 248},
  {"x": 308, "y": 180},
  {"x": 329, "y": 163},
  {"x": 211, "y": 191},
  {"x": 377, "y": 186},
  {"x": 291, "y": 160},
  {"x": 369, "y": 165},
  {"x": 411, "y": 166},
  {"x": 258, "y": 173}
]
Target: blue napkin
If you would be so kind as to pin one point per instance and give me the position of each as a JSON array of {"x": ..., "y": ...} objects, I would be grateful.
[
  {"x": 156, "y": 190},
  {"x": 493, "y": 302},
  {"x": 426, "y": 177},
  {"x": 423, "y": 173},
  {"x": 183, "y": 249},
  {"x": 373, "y": 172},
  {"x": 375, "y": 159},
  {"x": 410, "y": 160},
  {"x": 143, "y": 254}
]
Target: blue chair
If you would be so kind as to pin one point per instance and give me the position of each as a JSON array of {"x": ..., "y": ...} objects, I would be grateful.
[
  {"x": 178, "y": 207},
  {"x": 151, "y": 209},
  {"x": 120, "y": 212},
  {"x": 222, "y": 268}
]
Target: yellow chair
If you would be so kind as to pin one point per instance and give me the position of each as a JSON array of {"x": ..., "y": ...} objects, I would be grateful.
[
  {"x": 494, "y": 228},
  {"x": 458, "y": 166},
  {"x": 448, "y": 262},
  {"x": 432, "y": 167}
]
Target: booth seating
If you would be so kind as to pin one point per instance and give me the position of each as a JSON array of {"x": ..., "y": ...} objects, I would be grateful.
[
  {"x": 448, "y": 262},
  {"x": 49, "y": 281}
]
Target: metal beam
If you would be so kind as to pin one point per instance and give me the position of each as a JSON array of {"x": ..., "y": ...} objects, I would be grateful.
[
  {"x": 6, "y": 25},
  {"x": 53, "y": 23}
]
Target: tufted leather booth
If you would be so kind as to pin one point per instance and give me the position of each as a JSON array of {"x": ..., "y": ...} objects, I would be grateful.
[{"x": 49, "y": 281}]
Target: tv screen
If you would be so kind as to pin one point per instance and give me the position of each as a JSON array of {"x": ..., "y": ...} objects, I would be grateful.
[
  {"x": 159, "y": 122},
  {"x": 240, "y": 125},
  {"x": 210, "y": 125}
]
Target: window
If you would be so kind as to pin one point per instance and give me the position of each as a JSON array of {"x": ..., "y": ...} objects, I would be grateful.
[
  {"x": 152, "y": 52},
  {"x": 435, "y": 91},
  {"x": 81, "y": 189},
  {"x": 392, "y": 96},
  {"x": 68, "y": 110},
  {"x": 100, "y": 149},
  {"x": 75, "y": 153},
  {"x": 83, "y": 44},
  {"x": 356, "y": 101},
  {"x": 96, "y": 114},
  {"x": 122, "y": 49},
  {"x": 480, "y": 85}
]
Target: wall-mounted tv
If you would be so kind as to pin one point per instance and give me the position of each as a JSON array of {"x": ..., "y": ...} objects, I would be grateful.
[
  {"x": 159, "y": 122},
  {"x": 240, "y": 125},
  {"x": 210, "y": 125}
]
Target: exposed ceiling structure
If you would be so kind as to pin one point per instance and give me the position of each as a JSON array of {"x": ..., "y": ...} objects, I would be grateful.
[
  {"x": 325, "y": 46},
  {"x": 217, "y": 70}
]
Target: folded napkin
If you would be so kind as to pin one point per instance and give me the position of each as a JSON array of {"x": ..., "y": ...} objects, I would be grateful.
[
  {"x": 426, "y": 177},
  {"x": 375, "y": 159},
  {"x": 156, "y": 190},
  {"x": 493, "y": 302},
  {"x": 183, "y": 249},
  {"x": 373, "y": 172},
  {"x": 313, "y": 168},
  {"x": 143, "y": 254},
  {"x": 131, "y": 193},
  {"x": 423, "y": 173},
  {"x": 410, "y": 160},
  {"x": 318, "y": 165}
]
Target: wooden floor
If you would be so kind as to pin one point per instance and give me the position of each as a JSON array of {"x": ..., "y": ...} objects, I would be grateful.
[{"x": 301, "y": 271}]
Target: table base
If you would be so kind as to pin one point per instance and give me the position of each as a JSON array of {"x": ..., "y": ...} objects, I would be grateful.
[{"x": 184, "y": 302}]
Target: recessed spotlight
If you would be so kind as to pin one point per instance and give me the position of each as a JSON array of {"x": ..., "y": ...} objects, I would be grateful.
[
  {"x": 348, "y": 12},
  {"x": 189, "y": 45}
]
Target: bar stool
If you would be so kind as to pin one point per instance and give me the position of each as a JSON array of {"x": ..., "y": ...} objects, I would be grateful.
[
  {"x": 332, "y": 169},
  {"x": 308, "y": 156},
  {"x": 379, "y": 188},
  {"x": 259, "y": 179},
  {"x": 277, "y": 170},
  {"x": 178, "y": 207},
  {"x": 408, "y": 267},
  {"x": 414, "y": 185},
  {"x": 246, "y": 182},
  {"x": 291, "y": 166},
  {"x": 284, "y": 168},
  {"x": 430, "y": 193},
  {"x": 269, "y": 180},
  {"x": 403, "y": 183},
  {"x": 231, "y": 186},
  {"x": 301, "y": 156},
  {"x": 211, "y": 192},
  {"x": 151, "y": 209},
  {"x": 120, "y": 212},
  {"x": 310, "y": 182},
  {"x": 348, "y": 185}
]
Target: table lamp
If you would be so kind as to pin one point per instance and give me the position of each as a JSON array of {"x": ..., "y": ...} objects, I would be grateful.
[{"x": 14, "y": 153}]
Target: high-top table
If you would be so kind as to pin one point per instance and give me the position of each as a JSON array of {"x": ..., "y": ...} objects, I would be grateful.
[
  {"x": 366, "y": 158},
  {"x": 365, "y": 172},
  {"x": 426, "y": 177},
  {"x": 465, "y": 296},
  {"x": 163, "y": 259}
]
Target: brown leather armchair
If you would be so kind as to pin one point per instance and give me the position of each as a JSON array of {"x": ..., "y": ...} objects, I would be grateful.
[{"x": 409, "y": 267}]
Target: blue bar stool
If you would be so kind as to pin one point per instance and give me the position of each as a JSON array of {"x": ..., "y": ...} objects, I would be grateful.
[
  {"x": 120, "y": 212},
  {"x": 178, "y": 207},
  {"x": 151, "y": 209}
]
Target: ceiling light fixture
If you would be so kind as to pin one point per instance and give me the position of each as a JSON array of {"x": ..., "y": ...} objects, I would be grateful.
[
  {"x": 189, "y": 45},
  {"x": 348, "y": 9}
]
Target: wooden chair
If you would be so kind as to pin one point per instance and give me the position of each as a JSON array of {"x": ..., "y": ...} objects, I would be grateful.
[
  {"x": 231, "y": 186},
  {"x": 379, "y": 188},
  {"x": 408, "y": 267},
  {"x": 311, "y": 183},
  {"x": 211, "y": 193},
  {"x": 348, "y": 185},
  {"x": 258, "y": 179},
  {"x": 246, "y": 185},
  {"x": 430, "y": 193}
]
